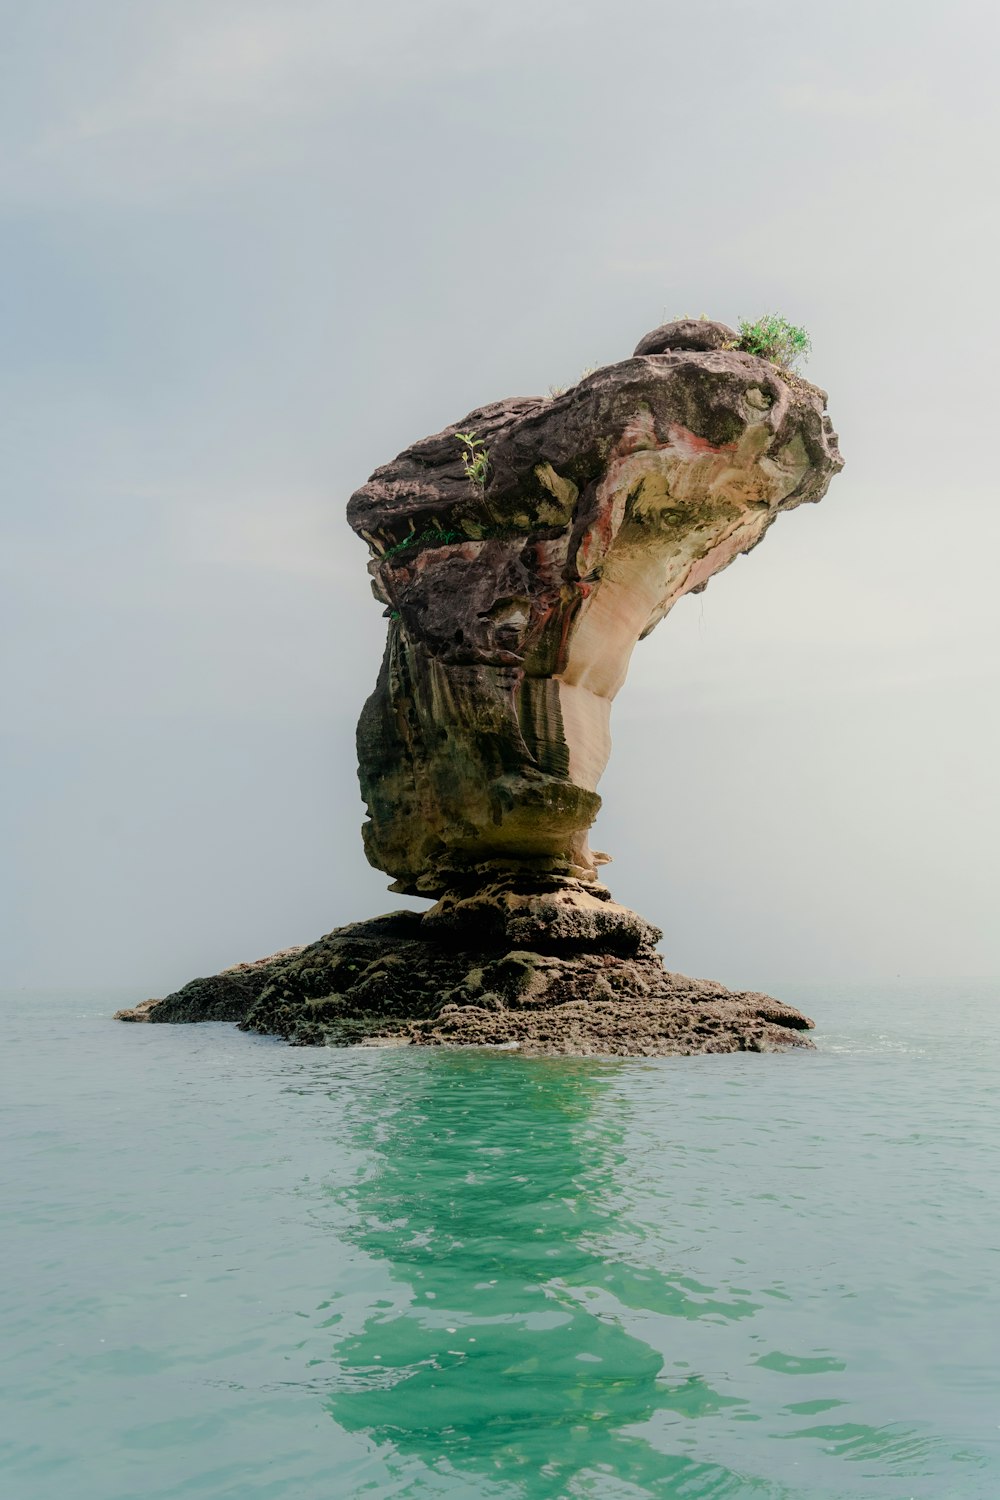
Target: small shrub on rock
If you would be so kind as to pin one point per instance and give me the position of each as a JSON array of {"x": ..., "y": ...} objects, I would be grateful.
[{"x": 774, "y": 338}]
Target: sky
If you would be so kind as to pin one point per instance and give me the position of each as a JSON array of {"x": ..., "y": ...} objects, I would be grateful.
[{"x": 252, "y": 250}]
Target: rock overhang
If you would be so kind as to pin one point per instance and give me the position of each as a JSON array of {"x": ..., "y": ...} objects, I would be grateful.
[{"x": 543, "y": 453}]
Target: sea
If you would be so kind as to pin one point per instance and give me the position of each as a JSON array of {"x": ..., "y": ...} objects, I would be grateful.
[{"x": 235, "y": 1270}]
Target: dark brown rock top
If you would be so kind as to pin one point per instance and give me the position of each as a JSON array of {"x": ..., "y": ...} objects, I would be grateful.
[{"x": 687, "y": 333}]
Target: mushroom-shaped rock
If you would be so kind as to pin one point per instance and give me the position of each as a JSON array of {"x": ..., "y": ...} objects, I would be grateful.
[
  {"x": 520, "y": 556},
  {"x": 515, "y": 604}
]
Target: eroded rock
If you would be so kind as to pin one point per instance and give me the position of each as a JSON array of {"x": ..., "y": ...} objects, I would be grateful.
[
  {"x": 520, "y": 555},
  {"x": 514, "y": 607},
  {"x": 396, "y": 980}
]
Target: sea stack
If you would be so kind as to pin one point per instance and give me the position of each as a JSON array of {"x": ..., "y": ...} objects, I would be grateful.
[{"x": 520, "y": 555}]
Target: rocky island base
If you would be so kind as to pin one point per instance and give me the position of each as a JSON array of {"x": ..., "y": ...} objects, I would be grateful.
[
  {"x": 520, "y": 555},
  {"x": 560, "y": 970}
]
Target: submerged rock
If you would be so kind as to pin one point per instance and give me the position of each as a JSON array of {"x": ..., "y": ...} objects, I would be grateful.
[{"x": 520, "y": 555}]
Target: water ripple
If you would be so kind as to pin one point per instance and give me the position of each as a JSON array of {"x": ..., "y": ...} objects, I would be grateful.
[{"x": 239, "y": 1271}]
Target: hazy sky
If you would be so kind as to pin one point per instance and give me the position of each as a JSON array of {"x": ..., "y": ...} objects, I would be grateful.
[{"x": 253, "y": 249}]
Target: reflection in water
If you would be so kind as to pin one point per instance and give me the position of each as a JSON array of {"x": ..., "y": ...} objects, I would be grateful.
[
  {"x": 492, "y": 1204},
  {"x": 513, "y": 1259}
]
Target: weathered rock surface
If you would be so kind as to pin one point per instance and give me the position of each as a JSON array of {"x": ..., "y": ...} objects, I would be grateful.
[
  {"x": 226, "y": 996},
  {"x": 515, "y": 596},
  {"x": 394, "y": 980},
  {"x": 688, "y": 333},
  {"x": 514, "y": 607}
]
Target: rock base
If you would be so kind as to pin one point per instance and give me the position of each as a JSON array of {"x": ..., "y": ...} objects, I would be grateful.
[{"x": 407, "y": 978}]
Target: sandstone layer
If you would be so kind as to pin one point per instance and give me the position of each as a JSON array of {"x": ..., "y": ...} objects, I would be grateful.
[
  {"x": 514, "y": 606},
  {"x": 520, "y": 555}
]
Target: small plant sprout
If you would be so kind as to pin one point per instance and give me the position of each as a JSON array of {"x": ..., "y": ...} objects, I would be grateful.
[
  {"x": 774, "y": 338},
  {"x": 475, "y": 458},
  {"x": 434, "y": 533}
]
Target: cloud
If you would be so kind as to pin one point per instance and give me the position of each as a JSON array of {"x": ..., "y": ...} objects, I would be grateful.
[
  {"x": 298, "y": 535},
  {"x": 836, "y": 102},
  {"x": 208, "y": 93}
]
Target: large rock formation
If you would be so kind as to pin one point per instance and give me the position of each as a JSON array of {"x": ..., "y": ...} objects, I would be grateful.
[{"x": 520, "y": 556}]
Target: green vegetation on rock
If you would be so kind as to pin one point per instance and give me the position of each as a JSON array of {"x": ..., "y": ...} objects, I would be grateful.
[
  {"x": 476, "y": 458},
  {"x": 434, "y": 534},
  {"x": 774, "y": 338}
]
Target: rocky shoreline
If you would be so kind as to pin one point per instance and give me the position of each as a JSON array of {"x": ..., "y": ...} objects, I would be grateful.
[{"x": 395, "y": 979}]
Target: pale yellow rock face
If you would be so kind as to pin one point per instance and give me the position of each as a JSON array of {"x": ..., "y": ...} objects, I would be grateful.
[
  {"x": 681, "y": 515},
  {"x": 514, "y": 608}
]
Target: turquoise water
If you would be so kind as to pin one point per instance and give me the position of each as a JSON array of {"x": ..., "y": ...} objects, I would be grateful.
[{"x": 239, "y": 1271}]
